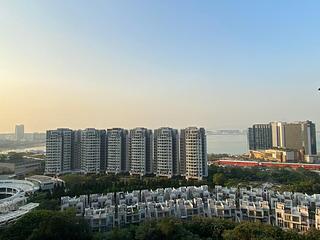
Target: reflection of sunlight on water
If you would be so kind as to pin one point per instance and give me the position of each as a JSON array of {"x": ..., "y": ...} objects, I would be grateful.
[{"x": 232, "y": 144}]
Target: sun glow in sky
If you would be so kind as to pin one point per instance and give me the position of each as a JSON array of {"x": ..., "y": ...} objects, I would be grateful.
[{"x": 217, "y": 64}]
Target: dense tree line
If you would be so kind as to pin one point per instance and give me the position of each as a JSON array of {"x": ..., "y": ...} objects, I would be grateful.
[
  {"x": 44, "y": 224},
  {"x": 204, "y": 228},
  {"x": 288, "y": 179},
  {"x": 87, "y": 184},
  {"x": 299, "y": 180}
]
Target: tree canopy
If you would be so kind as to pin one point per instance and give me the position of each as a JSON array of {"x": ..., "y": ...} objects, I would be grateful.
[{"x": 44, "y": 224}]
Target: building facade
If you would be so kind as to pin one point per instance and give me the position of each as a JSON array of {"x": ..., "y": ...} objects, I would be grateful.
[
  {"x": 182, "y": 159},
  {"x": 138, "y": 151},
  {"x": 166, "y": 152},
  {"x": 141, "y": 151},
  {"x": 19, "y": 132},
  {"x": 58, "y": 151},
  {"x": 93, "y": 150},
  {"x": 117, "y": 150},
  {"x": 278, "y": 155},
  {"x": 309, "y": 139},
  {"x": 278, "y": 134},
  {"x": 195, "y": 155},
  {"x": 300, "y": 136},
  {"x": 260, "y": 137}
]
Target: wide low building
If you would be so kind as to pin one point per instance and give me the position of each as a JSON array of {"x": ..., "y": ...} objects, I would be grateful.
[
  {"x": 45, "y": 182},
  {"x": 278, "y": 155},
  {"x": 20, "y": 167}
]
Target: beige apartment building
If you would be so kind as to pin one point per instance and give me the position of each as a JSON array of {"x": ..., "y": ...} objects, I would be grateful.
[
  {"x": 194, "y": 155},
  {"x": 166, "y": 152}
]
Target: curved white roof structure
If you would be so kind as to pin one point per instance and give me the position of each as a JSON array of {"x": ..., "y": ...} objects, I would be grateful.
[
  {"x": 13, "y": 199},
  {"x": 12, "y": 189}
]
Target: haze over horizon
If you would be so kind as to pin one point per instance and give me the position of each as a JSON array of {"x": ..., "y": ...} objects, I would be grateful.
[{"x": 216, "y": 64}]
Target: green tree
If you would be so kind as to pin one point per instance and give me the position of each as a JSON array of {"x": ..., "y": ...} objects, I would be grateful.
[
  {"x": 254, "y": 231},
  {"x": 312, "y": 234},
  {"x": 212, "y": 228},
  {"x": 43, "y": 224},
  {"x": 218, "y": 179}
]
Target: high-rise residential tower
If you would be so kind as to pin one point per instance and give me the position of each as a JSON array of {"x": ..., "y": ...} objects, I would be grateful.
[
  {"x": 117, "y": 155},
  {"x": 194, "y": 158},
  {"x": 260, "y": 137},
  {"x": 166, "y": 152},
  {"x": 141, "y": 151},
  {"x": 19, "y": 132},
  {"x": 58, "y": 151},
  {"x": 93, "y": 150}
]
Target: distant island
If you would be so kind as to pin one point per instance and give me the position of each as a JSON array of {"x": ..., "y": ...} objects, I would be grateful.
[{"x": 227, "y": 132}]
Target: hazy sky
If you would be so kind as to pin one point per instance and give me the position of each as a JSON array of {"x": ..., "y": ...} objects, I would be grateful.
[{"x": 217, "y": 64}]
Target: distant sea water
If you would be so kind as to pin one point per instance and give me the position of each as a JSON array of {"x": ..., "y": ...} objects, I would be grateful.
[
  {"x": 230, "y": 144},
  {"x": 235, "y": 144}
]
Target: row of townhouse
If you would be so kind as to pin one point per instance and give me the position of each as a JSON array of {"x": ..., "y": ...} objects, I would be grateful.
[
  {"x": 287, "y": 210},
  {"x": 165, "y": 152}
]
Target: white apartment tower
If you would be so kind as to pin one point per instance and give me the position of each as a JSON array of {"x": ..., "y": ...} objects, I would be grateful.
[
  {"x": 194, "y": 153},
  {"x": 93, "y": 150},
  {"x": 166, "y": 152},
  {"x": 58, "y": 151},
  {"x": 117, "y": 154},
  {"x": 140, "y": 151}
]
